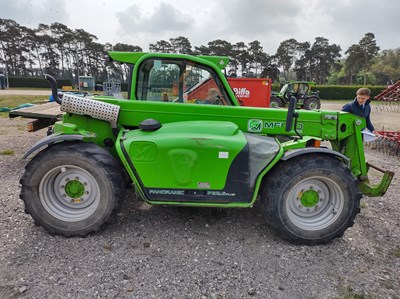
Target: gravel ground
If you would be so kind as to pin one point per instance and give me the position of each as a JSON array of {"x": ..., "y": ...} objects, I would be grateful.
[{"x": 170, "y": 252}]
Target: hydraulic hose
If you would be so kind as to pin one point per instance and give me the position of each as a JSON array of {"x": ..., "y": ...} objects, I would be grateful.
[{"x": 53, "y": 84}]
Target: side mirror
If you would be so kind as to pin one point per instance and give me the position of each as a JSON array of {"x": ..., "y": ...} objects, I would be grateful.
[{"x": 290, "y": 114}]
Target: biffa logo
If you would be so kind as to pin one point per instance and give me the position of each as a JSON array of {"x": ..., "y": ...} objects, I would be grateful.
[{"x": 242, "y": 92}]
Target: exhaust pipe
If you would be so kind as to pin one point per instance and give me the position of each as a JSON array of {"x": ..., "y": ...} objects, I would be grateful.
[{"x": 53, "y": 84}]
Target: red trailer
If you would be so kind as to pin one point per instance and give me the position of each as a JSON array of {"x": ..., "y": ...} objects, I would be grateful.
[{"x": 254, "y": 92}]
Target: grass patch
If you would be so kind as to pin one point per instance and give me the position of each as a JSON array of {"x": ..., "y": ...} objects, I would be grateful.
[
  {"x": 28, "y": 88},
  {"x": 7, "y": 152},
  {"x": 12, "y": 101},
  {"x": 350, "y": 294},
  {"x": 363, "y": 205},
  {"x": 22, "y": 127},
  {"x": 396, "y": 252}
]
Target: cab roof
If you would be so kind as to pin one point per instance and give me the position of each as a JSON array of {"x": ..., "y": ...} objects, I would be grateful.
[{"x": 133, "y": 57}]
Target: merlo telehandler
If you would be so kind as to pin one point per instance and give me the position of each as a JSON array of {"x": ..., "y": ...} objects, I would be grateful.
[
  {"x": 179, "y": 147},
  {"x": 301, "y": 90}
]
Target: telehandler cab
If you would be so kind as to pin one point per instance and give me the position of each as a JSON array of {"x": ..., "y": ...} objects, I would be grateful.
[{"x": 179, "y": 147}]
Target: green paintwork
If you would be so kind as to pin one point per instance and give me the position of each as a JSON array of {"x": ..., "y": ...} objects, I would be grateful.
[
  {"x": 186, "y": 149},
  {"x": 94, "y": 130},
  {"x": 135, "y": 57},
  {"x": 377, "y": 189},
  {"x": 309, "y": 198},
  {"x": 184, "y": 153},
  {"x": 74, "y": 189}
]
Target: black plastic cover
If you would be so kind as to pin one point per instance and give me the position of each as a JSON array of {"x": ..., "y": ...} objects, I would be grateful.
[{"x": 150, "y": 125}]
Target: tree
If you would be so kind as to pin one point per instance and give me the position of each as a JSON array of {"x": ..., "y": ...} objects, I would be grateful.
[
  {"x": 285, "y": 55},
  {"x": 386, "y": 66},
  {"x": 360, "y": 56},
  {"x": 62, "y": 35},
  {"x": 370, "y": 50},
  {"x": 325, "y": 57},
  {"x": 220, "y": 47},
  {"x": 271, "y": 71},
  {"x": 68, "y": 53},
  {"x": 48, "y": 54},
  {"x": 14, "y": 46},
  {"x": 181, "y": 45},
  {"x": 202, "y": 50},
  {"x": 304, "y": 65},
  {"x": 353, "y": 63},
  {"x": 161, "y": 46},
  {"x": 257, "y": 56},
  {"x": 240, "y": 57}
]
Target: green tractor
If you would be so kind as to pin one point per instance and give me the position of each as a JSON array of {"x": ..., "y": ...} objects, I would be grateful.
[
  {"x": 180, "y": 145},
  {"x": 301, "y": 90}
]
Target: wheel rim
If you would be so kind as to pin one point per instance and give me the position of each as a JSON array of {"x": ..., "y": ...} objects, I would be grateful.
[
  {"x": 313, "y": 105},
  {"x": 274, "y": 104},
  {"x": 69, "y": 193},
  {"x": 315, "y": 203}
]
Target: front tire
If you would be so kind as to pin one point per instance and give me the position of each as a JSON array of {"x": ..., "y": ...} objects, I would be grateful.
[
  {"x": 72, "y": 188},
  {"x": 311, "y": 200},
  {"x": 275, "y": 102},
  {"x": 312, "y": 103}
]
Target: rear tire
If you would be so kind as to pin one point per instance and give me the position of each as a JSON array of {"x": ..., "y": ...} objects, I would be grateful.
[
  {"x": 72, "y": 188},
  {"x": 275, "y": 102},
  {"x": 311, "y": 200},
  {"x": 312, "y": 103}
]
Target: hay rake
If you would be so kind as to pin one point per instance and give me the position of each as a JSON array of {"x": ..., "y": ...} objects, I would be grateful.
[
  {"x": 390, "y": 106},
  {"x": 387, "y": 142},
  {"x": 389, "y": 99}
]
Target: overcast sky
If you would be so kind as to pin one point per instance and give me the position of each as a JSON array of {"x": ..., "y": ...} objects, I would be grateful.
[{"x": 141, "y": 22}]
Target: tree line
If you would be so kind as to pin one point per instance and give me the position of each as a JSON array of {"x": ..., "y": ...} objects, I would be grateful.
[{"x": 68, "y": 53}]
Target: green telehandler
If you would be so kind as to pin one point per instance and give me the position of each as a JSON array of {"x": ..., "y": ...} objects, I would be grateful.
[
  {"x": 301, "y": 90},
  {"x": 182, "y": 144}
]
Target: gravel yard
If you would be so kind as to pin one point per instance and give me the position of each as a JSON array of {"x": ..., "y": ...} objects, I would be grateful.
[{"x": 171, "y": 252}]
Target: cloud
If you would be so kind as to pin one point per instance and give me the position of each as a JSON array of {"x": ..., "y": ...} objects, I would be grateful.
[
  {"x": 268, "y": 21},
  {"x": 32, "y": 12},
  {"x": 164, "y": 18},
  {"x": 260, "y": 16},
  {"x": 141, "y": 22},
  {"x": 350, "y": 20}
]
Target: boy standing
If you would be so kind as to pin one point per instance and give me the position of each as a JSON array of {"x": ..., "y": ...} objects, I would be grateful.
[{"x": 360, "y": 106}]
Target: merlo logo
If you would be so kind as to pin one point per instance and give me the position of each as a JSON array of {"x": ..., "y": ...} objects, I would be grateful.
[{"x": 254, "y": 125}]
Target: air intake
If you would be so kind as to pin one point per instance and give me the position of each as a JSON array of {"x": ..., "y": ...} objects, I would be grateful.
[{"x": 96, "y": 109}]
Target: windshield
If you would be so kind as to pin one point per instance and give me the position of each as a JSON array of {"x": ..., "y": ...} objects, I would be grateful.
[{"x": 179, "y": 81}]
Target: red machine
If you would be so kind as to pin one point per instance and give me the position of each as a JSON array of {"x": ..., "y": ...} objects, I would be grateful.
[{"x": 254, "y": 92}]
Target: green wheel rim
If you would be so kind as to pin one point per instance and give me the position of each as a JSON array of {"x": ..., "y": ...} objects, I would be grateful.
[{"x": 69, "y": 193}]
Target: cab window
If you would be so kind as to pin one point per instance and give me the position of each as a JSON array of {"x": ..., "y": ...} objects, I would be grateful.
[{"x": 179, "y": 81}]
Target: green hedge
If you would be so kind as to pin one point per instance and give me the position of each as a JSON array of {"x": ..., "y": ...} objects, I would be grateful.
[
  {"x": 35, "y": 82},
  {"x": 339, "y": 92},
  {"x": 275, "y": 87}
]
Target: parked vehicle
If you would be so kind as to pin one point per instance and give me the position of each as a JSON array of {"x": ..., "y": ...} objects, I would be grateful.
[
  {"x": 301, "y": 90},
  {"x": 198, "y": 149}
]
